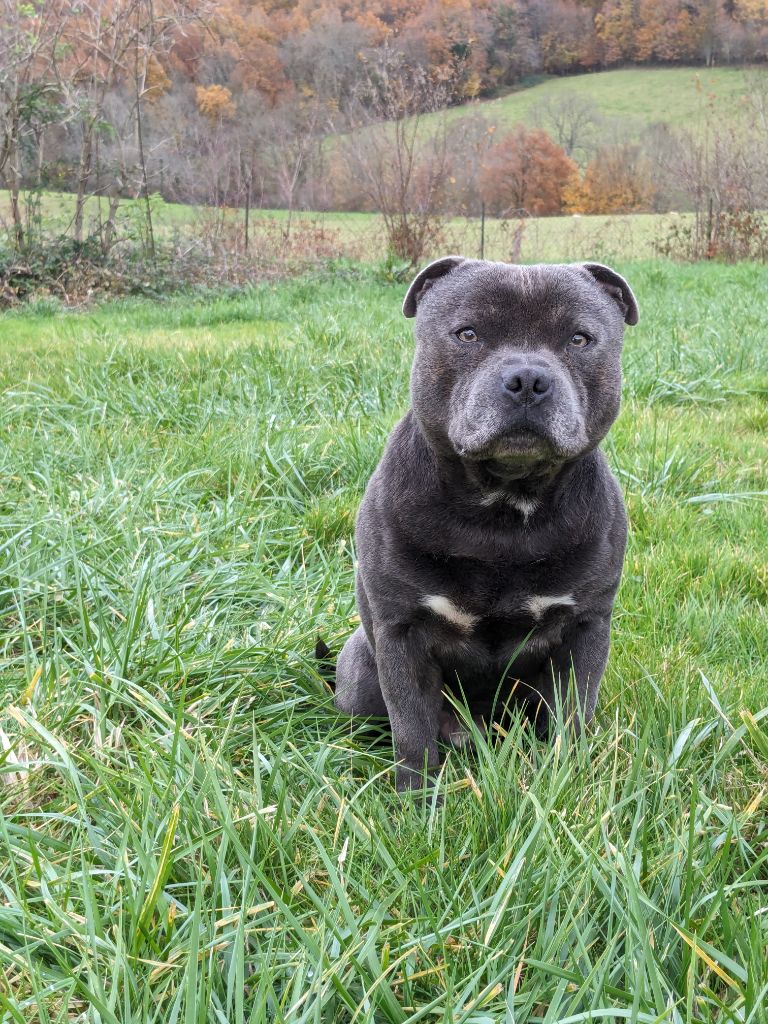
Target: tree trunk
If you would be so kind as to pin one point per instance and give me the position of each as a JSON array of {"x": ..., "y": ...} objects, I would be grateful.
[
  {"x": 12, "y": 160},
  {"x": 86, "y": 158},
  {"x": 139, "y": 81},
  {"x": 18, "y": 224},
  {"x": 247, "y": 207}
]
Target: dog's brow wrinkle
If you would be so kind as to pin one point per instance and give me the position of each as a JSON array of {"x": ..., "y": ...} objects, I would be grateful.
[
  {"x": 538, "y": 604},
  {"x": 446, "y": 609}
]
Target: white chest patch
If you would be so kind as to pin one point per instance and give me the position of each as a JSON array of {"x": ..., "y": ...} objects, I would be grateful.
[
  {"x": 525, "y": 506},
  {"x": 538, "y": 605},
  {"x": 446, "y": 609}
]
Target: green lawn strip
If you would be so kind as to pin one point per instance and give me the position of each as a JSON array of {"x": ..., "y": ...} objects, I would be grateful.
[{"x": 361, "y": 236}]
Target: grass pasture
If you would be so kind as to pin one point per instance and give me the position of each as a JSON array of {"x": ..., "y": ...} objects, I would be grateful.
[
  {"x": 361, "y": 236},
  {"x": 634, "y": 98},
  {"x": 189, "y": 833}
]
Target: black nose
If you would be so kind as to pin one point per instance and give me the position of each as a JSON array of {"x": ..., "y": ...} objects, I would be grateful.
[{"x": 526, "y": 384}]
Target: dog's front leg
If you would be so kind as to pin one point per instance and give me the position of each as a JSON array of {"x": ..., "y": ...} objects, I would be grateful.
[
  {"x": 411, "y": 684},
  {"x": 576, "y": 669}
]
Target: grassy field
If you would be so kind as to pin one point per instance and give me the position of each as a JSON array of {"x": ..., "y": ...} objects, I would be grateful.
[
  {"x": 361, "y": 236},
  {"x": 634, "y": 98},
  {"x": 190, "y": 833}
]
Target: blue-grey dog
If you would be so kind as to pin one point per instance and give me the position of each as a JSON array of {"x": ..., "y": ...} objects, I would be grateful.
[{"x": 491, "y": 536}]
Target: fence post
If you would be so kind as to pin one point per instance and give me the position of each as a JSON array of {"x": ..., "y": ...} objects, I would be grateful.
[{"x": 247, "y": 210}]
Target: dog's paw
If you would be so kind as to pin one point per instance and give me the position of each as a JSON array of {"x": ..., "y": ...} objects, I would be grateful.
[
  {"x": 454, "y": 732},
  {"x": 409, "y": 782}
]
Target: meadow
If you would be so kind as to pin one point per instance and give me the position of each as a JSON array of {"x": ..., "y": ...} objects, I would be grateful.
[
  {"x": 361, "y": 236},
  {"x": 190, "y": 833},
  {"x": 634, "y": 98}
]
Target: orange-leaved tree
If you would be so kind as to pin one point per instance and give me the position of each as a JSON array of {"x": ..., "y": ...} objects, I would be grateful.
[
  {"x": 617, "y": 180},
  {"x": 525, "y": 173},
  {"x": 215, "y": 102}
]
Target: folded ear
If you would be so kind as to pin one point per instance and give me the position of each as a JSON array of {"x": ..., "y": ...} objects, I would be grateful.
[
  {"x": 425, "y": 279},
  {"x": 617, "y": 288}
]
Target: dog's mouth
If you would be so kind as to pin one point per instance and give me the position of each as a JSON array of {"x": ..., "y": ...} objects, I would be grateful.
[{"x": 524, "y": 445}]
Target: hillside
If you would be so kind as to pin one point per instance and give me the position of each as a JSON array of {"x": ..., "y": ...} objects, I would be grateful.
[{"x": 635, "y": 97}]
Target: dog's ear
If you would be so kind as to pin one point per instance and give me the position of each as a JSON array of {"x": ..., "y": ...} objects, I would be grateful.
[
  {"x": 425, "y": 279},
  {"x": 617, "y": 288}
]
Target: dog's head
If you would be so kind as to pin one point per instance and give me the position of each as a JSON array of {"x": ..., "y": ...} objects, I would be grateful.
[{"x": 517, "y": 366}]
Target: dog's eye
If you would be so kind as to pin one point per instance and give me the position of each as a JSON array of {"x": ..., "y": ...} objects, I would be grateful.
[
  {"x": 580, "y": 340},
  {"x": 466, "y": 335}
]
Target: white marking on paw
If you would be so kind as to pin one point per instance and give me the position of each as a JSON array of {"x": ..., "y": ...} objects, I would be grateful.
[
  {"x": 446, "y": 609},
  {"x": 538, "y": 605}
]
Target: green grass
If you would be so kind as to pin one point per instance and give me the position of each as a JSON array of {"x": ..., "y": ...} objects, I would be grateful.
[
  {"x": 190, "y": 833},
  {"x": 635, "y": 98},
  {"x": 361, "y": 236}
]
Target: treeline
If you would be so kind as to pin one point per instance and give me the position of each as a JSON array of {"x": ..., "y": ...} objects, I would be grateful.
[
  {"x": 280, "y": 50},
  {"x": 282, "y": 103}
]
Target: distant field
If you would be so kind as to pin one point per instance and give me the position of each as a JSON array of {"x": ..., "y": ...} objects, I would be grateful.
[
  {"x": 361, "y": 235},
  {"x": 635, "y": 97}
]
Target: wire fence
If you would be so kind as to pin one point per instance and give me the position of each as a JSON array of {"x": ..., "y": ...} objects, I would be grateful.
[
  {"x": 515, "y": 238},
  {"x": 214, "y": 246}
]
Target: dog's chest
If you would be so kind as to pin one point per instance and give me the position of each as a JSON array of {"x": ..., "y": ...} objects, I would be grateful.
[
  {"x": 489, "y": 620},
  {"x": 493, "y": 592}
]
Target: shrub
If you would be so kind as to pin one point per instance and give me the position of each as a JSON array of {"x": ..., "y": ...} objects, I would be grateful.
[
  {"x": 616, "y": 180},
  {"x": 728, "y": 236},
  {"x": 526, "y": 172},
  {"x": 76, "y": 272}
]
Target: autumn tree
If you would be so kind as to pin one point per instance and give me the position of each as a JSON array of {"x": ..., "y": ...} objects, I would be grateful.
[
  {"x": 240, "y": 50},
  {"x": 215, "y": 102},
  {"x": 512, "y": 50},
  {"x": 615, "y": 28},
  {"x": 525, "y": 173},
  {"x": 563, "y": 33},
  {"x": 325, "y": 60},
  {"x": 617, "y": 180},
  {"x": 450, "y": 40},
  {"x": 665, "y": 31}
]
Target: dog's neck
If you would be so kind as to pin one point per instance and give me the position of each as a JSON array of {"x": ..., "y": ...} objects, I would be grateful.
[
  {"x": 496, "y": 495},
  {"x": 526, "y": 478},
  {"x": 525, "y": 486},
  {"x": 525, "y": 489}
]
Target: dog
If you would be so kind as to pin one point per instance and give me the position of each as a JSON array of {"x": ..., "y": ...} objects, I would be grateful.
[{"x": 491, "y": 536}]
